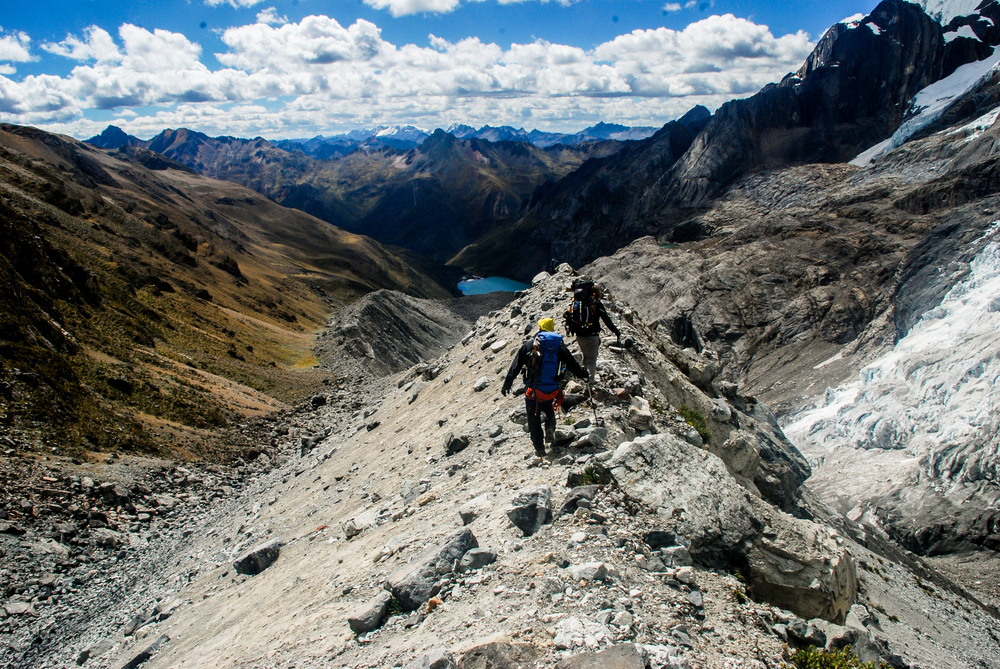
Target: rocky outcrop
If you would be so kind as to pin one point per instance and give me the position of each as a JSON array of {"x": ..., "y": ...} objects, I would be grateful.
[
  {"x": 387, "y": 331},
  {"x": 793, "y": 563},
  {"x": 416, "y": 583}
]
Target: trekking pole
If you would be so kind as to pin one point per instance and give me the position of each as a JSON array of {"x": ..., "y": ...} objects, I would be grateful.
[{"x": 593, "y": 403}]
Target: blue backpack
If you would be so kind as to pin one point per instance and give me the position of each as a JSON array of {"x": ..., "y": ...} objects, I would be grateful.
[{"x": 542, "y": 370}]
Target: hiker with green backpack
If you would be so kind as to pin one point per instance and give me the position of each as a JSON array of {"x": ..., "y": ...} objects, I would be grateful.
[
  {"x": 583, "y": 319},
  {"x": 543, "y": 358}
]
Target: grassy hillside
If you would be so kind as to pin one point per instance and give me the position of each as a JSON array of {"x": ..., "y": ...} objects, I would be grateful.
[{"x": 147, "y": 308}]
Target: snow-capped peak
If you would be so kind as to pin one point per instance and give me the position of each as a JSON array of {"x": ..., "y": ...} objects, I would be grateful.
[
  {"x": 853, "y": 21},
  {"x": 945, "y": 10}
]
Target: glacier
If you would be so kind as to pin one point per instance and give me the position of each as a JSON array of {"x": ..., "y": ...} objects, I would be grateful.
[{"x": 934, "y": 397}]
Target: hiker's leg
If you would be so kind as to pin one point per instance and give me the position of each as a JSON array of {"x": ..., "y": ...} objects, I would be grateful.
[
  {"x": 550, "y": 420},
  {"x": 535, "y": 425},
  {"x": 589, "y": 345}
]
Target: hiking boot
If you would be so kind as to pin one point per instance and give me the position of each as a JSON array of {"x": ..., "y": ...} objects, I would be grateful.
[
  {"x": 550, "y": 434},
  {"x": 540, "y": 452}
]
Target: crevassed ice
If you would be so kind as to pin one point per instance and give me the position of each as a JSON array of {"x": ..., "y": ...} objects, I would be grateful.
[
  {"x": 937, "y": 390},
  {"x": 975, "y": 128}
]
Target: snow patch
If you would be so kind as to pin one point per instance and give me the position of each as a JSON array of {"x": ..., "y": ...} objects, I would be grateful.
[
  {"x": 853, "y": 20},
  {"x": 977, "y": 127},
  {"x": 944, "y": 11},
  {"x": 963, "y": 31},
  {"x": 874, "y": 28},
  {"x": 839, "y": 356},
  {"x": 931, "y": 102},
  {"x": 869, "y": 156}
]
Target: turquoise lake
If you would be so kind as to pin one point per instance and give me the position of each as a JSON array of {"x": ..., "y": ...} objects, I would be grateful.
[{"x": 491, "y": 284}]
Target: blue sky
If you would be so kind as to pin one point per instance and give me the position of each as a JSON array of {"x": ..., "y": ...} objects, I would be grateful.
[{"x": 261, "y": 67}]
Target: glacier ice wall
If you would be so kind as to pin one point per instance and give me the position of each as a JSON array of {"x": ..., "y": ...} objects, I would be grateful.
[{"x": 935, "y": 395}]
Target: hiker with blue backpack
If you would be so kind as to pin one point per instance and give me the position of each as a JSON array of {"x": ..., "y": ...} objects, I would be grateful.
[
  {"x": 583, "y": 319},
  {"x": 543, "y": 358}
]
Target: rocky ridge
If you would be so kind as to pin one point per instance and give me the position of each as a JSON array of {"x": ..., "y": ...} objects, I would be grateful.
[
  {"x": 815, "y": 272},
  {"x": 637, "y": 563}
]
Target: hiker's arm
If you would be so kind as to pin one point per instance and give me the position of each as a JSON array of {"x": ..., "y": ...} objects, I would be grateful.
[
  {"x": 607, "y": 321},
  {"x": 515, "y": 368},
  {"x": 572, "y": 365}
]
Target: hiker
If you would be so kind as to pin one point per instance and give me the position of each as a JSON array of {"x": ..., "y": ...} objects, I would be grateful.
[
  {"x": 583, "y": 319},
  {"x": 542, "y": 358}
]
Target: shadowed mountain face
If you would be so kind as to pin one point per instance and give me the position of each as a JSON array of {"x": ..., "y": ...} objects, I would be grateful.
[
  {"x": 860, "y": 304},
  {"x": 592, "y": 211},
  {"x": 146, "y": 307},
  {"x": 852, "y": 92},
  {"x": 433, "y": 200}
]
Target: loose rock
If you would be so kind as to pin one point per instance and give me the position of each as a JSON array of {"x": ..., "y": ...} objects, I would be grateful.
[
  {"x": 531, "y": 508},
  {"x": 258, "y": 558}
]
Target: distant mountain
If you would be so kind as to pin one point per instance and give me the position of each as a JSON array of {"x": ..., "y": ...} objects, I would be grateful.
[
  {"x": 409, "y": 137},
  {"x": 433, "y": 199},
  {"x": 114, "y": 137},
  {"x": 854, "y": 91},
  {"x": 601, "y": 131}
]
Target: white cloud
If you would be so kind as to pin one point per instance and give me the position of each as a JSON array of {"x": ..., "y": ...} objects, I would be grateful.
[
  {"x": 405, "y": 7},
  {"x": 15, "y": 48},
  {"x": 290, "y": 79},
  {"x": 7, "y": 69},
  {"x": 97, "y": 45},
  {"x": 672, "y": 7},
  {"x": 270, "y": 17},
  {"x": 233, "y": 3}
]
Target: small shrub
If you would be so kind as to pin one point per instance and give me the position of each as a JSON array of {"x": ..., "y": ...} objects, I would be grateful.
[
  {"x": 739, "y": 596},
  {"x": 738, "y": 575},
  {"x": 695, "y": 420},
  {"x": 395, "y": 608},
  {"x": 591, "y": 475},
  {"x": 813, "y": 658},
  {"x": 594, "y": 476}
]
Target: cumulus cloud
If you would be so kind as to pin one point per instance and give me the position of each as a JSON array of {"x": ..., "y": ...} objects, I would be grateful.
[
  {"x": 672, "y": 7},
  {"x": 405, "y": 7},
  {"x": 15, "y": 48},
  {"x": 96, "y": 45},
  {"x": 316, "y": 75}
]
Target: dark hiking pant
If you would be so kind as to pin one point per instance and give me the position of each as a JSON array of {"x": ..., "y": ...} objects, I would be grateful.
[{"x": 536, "y": 410}]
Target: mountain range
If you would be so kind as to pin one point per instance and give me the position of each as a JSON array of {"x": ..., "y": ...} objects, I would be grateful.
[
  {"x": 410, "y": 137},
  {"x": 817, "y": 261},
  {"x": 433, "y": 200}
]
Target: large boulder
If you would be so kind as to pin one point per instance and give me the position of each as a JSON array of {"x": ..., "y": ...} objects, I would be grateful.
[
  {"x": 413, "y": 584},
  {"x": 435, "y": 658},
  {"x": 795, "y": 564},
  {"x": 258, "y": 558},
  {"x": 498, "y": 652},
  {"x": 798, "y": 566},
  {"x": 622, "y": 656},
  {"x": 692, "y": 486},
  {"x": 531, "y": 508}
]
